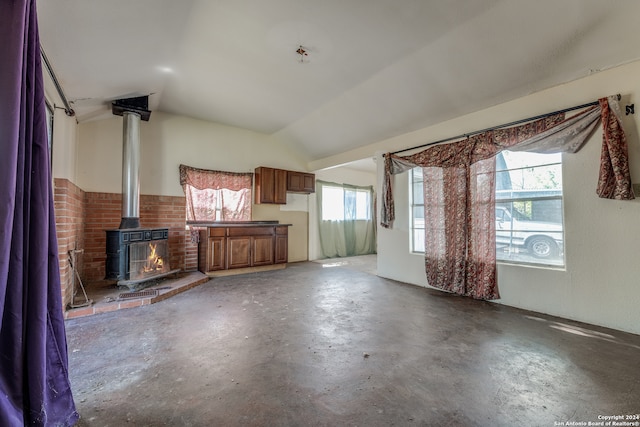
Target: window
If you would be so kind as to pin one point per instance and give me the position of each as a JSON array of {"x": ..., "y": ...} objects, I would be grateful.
[
  {"x": 417, "y": 210},
  {"x": 49, "y": 112},
  {"x": 345, "y": 219},
  {"x": 216, "y": 195},
  {"x": 529, "y": 210},
  {"x": 529, "y": 219},
  {"x": 221, "y": 204},
  {"x": 335, "y": 198}
]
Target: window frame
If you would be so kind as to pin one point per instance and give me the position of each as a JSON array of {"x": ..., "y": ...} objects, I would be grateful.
[
  {"x": 559, "y": 262},
  {"x": 412, "y": 207},
  {"x": 358, "y": 191},
  {"x": 216, "y": 183},
  {"x": 49, "y": 114}
]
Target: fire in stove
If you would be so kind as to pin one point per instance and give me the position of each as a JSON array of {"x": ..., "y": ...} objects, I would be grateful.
[
  {"x": 148, "y": 259},
  {"x": 154, "y": 261}
]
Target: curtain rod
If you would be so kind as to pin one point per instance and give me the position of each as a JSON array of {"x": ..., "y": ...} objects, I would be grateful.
[
  {"x": 517, "y": 122},
  {"x": 67, "y": 107}
]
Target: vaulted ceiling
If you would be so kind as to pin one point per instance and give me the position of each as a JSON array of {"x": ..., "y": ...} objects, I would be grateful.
[{"x": 374, "y": 69}]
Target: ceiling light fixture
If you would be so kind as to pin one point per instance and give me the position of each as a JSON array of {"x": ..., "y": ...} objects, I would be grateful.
[{"x": 302, "y": 54}]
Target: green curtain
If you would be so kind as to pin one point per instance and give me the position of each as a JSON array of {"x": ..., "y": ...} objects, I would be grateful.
[{"x": 347, "y": 228}]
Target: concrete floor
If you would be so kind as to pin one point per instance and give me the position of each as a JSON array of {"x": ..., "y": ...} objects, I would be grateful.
[{"x": 316, "y": 345}]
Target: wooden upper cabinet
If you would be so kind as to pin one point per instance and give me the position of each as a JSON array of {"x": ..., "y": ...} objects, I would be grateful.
[
  {"x": 301, "y": 182},
  {"x": 270, "y": 185}
]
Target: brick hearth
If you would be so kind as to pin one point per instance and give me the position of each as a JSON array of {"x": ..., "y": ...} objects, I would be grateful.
[
  {"x": 105, "y": 296},
  {"x": 82, "y": 218}
]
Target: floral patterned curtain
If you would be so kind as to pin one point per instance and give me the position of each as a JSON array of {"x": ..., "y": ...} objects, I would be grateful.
[
  {"x": 208, "y": 191},
  {"x": 614, "y": 181},
  {"x": 459, "y": 190}
]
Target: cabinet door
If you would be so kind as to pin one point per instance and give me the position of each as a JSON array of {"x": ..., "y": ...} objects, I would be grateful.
[
  {"x": 203, "y": 251},
  {"x": 238, "y": 252},
  {"x": 280, "y": 187},
  {"x": 216, "y": 254},
  {"x": 264, "y": 185},
  {"x": 301, "y": 182},
  {"x": 282, "y": 244},
  {"x": 309, "y": 183},
  {"x": 294, "y": 181},
  {"x": 270, "y": 185},
  {"x": 263, "y": 250}
]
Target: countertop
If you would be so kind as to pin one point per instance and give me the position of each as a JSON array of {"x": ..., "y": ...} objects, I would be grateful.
[{"x": 235, "y": 223}]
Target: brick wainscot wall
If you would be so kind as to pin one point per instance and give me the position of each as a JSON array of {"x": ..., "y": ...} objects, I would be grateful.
[{"x": 82, "y": 218}]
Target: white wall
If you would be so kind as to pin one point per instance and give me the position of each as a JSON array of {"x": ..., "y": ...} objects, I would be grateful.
[
  {"x": 340, "y": 175},
  {"x": 601, "y": 282},
  {"x": 166, "y": 141},
  {"x": 64, "y": 148}
]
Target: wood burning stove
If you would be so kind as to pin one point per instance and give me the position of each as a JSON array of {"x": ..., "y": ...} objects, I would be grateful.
[
  {"x": 128, "y": 247},
  {"x": 134, "y": 254}
]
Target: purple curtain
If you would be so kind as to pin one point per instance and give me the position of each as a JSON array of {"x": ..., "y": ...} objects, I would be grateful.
[
  {"x": 614, "y": 180},
  {"x": 34, "y": 384}
]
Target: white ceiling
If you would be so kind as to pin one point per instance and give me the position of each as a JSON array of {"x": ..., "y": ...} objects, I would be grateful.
[{"x": 375, "y": 68}]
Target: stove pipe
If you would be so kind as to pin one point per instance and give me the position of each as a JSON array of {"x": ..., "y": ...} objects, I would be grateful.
[
  {"x": 132, "y": 111},
  {"x": 130, "y": 170}
]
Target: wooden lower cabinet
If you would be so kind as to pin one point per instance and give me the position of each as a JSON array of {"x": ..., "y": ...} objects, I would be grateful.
[
  {"x": 239, "y": 252},
  {"x": 228, "y": 248},
  {"x": 212, "y": 251},
  {"x": 216, "y": 253},
  {"x": 262, "y": 250},
  {"x": 282, "y": 245}
]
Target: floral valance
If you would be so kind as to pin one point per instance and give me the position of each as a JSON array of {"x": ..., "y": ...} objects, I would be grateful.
[
  {"x": 552, "y": 134},
  {"x": 216, "y": 195},
  {"x": 216, "y": 180}
]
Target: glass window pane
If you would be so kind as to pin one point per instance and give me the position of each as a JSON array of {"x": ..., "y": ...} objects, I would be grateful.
[
  {"x": 362, "y": 205},
  {"x": 418, "y": 240},
  {"x": 519, "y": 159},
  {"x": 332, "y": 204},
  {"x": 417, "y": 209},
  {"x": 418, "y": 216},
  {"x": 529, "y": 211},
  {"x": 529, "y": 218},
  {"x": 416, "y": 175},
  {"x": 418, "y": 193},
  {"x": 49, "y": 128}
]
